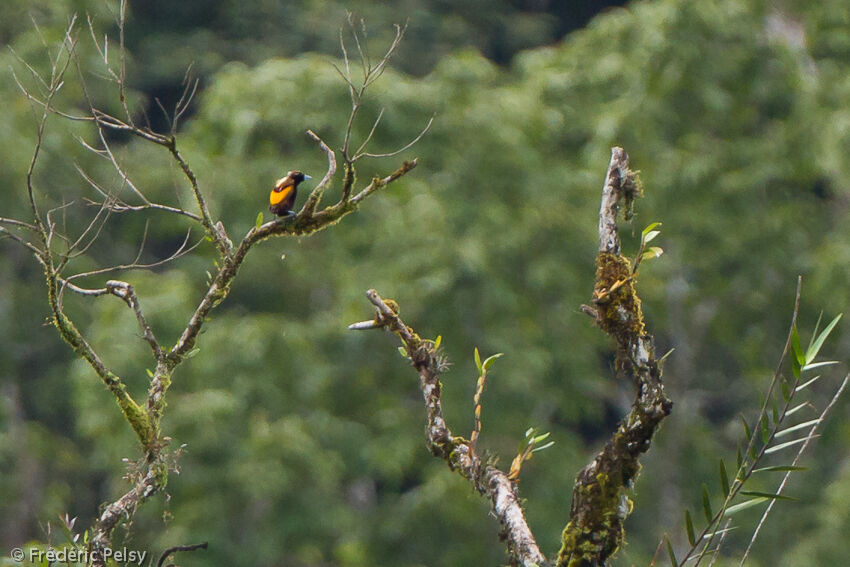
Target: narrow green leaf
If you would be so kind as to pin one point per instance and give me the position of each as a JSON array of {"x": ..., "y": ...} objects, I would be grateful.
[
  {"x": 712, "y": 535},
  {"x": 478, "y": 361},
  {"x": 819, "y": 364},
  {"x": 796, "y": 408},
  {"x": 780, "y": 468},
  {"x": 193, "y": 352},
  {"x": 743, "y": 506},
  {"x": 753, "y": 453},
  {"x": 486, "y": 364},
  {"x": 649, "y": 236},
  {"x": 649, "y": 228},
  {"x": 815, "y": 347},
  {"x": 786, "y": 390},
  {"x": 543, "y": 437},
  {"x": 148, "y": 370},
  {"x": 799, "y": 426},
  {"x": 724, "y": 478},
  {"x": 402, "y": 351},
  {"x": 739, "y": 457},
  {"x": 765, "y": 429},
  {"x": 769, "y": 495},
  {"x": 807, "y": 384},
  {"x": 796, "y": 349},
  {"x": 787, "y": 444},
  {"x": 747, "y": 431},
  {"x": 437, "y": 341},
  {"x": 815, "y": 332},
  {"x": 672, "y": 555},
  {"x": 706, "y": 504},
  {"x": 543, "y": 447},
  {"x": 689, "y": 528},
  {"x": 774, "y": 409},
  {"x": 259, "y": 222}
]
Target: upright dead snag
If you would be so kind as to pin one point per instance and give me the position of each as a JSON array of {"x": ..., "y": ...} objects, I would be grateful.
[{"x": 600, "y": 506}]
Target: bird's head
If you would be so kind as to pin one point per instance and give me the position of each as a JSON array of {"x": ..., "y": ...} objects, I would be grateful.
[{"x": 298, "y": 176}]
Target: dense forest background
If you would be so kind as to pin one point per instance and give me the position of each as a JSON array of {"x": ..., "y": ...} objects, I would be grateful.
[{"x": 304, "y": 442}]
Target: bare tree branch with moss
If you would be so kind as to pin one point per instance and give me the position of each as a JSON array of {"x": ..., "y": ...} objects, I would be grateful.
[
  {"x": 57, "y": 252},
  {"x": 600, "y": 505}
]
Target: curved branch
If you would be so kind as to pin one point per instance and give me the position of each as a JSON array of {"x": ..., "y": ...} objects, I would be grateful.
[
  {"x": 456, "y": 451},
  {"x": 316, "y": 194}
]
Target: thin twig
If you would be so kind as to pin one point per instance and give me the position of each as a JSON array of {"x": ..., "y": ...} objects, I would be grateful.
[
  {"x": 176, "y": 548},
  {"x": 800, "y": 452}
]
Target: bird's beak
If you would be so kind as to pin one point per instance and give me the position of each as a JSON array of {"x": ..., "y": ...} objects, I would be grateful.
[{"x": 306, "y": 177}]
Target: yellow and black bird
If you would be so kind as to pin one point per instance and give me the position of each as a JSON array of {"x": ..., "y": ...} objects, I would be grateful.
[{"x": 282, "y": 197}]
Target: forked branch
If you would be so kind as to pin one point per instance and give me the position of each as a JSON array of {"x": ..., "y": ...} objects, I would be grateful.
[{"x": 457, "y": 451}]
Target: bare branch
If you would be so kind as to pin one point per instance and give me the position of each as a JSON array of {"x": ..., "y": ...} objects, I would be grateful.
[
  {"x": 398, "y": 151},
  {"x": 16, "y": 222},
  {"x": 181, "y": 251},
  {"x": 316, "y": 194},
  {"x": 176, "y": 548},
  {"x": 126, "y": 292},
  {"x": 359, "y": 150},
  {"x": 377, "y": 182}
]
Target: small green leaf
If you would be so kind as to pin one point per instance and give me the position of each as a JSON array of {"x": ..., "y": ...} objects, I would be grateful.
[
  {"x": 805, "y": 424},
  {"x": 402, "y": 351},
  {"x": 724, "y": 478},
  {"x": 815, "y": 332},
  {"x": 148, "y": 370},
  {"x": 193, "y": 352},
  {"x": 543, "y": 447},
  {"x": 672, "y": 555},
  {"x": 753, "y": 453},
  {"x": 796, "y": 408},
  {"x": 780, "y": 468},
  {"x": 540, "y": 438},
  {"x": 787, "y": 444},
  {"x": 437, "y": 341},
  {"x": 807, "y": 384},
  {"x": 651, "y": 252},
  {"x": 819, "y": 364},
  {"x": 815, "y": 347},
  {"x": 706, "y": 504},
  {"x": 731, "y": 510},
  {"x": 650, "y": 228},
  {"x": 689, "y": 528},
  {"x": 765, "y": 429},
  {"x": 747, "y": 431},
  {"x": 259, "y": 222},
  {"x": 478, "y": 361},
  {"x": 486, "y": 364},
  {"x": 739, "y": 457},
  {"x": 774, "y": 410},
  {"x": 796, "y": 349},
  {"x": 786, "y": 391},
  {"x": 649, "y": 236},
  {"x": 768, "y": 495}
]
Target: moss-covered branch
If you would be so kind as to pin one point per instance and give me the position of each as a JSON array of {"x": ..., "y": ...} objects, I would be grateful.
[{"x": 600, "y": 504}]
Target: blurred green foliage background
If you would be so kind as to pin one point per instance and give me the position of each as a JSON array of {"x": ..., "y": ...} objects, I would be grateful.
[{"x": 304, "y": 442}]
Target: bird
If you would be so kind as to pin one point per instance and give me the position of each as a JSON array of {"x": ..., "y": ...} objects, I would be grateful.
[{"x": 282, "y": 196}]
